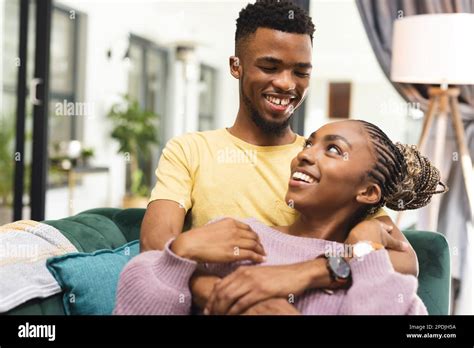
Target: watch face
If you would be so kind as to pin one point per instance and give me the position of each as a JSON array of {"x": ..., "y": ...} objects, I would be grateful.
[{"x": 340, "y": 267}]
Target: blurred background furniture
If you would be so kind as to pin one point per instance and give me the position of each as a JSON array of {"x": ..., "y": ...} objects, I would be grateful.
[
  {"x": 379, "y": 18},
  {"x": 74, "y": 173},
  {"x": 430, "y": 49}
]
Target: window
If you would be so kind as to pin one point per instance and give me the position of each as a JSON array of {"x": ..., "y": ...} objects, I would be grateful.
[
  {"x": 147, "y": 84},
  {"x": 64, "y": 124},
  {"x": 64, "y": 53},
  {"x": 10, "y": 48},
  {"x": 147, "y": 74},
  {"x": 64, "y": 42},
  {"x": 207, "y": 98},
  {"x": 63, "y": 79}
]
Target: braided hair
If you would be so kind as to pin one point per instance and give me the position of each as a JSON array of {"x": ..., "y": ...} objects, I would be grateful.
[{"x": 406, "y": 178}]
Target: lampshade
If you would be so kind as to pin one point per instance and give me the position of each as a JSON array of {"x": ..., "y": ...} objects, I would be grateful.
[{"x": 434, "y": 49}]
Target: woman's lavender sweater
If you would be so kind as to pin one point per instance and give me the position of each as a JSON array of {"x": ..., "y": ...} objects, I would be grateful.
[{"x": 156, "y": 282}]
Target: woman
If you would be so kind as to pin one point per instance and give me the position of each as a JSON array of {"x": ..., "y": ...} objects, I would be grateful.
[{"x": 346, "y": 171}]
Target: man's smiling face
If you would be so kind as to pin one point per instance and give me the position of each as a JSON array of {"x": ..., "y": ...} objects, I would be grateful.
[{"x": 276, "y": 68}]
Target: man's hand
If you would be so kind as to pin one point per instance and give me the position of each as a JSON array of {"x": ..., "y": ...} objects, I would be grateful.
[
  {"x": 375, "y": 231},
  {"x": 226, "y": 240},
  {"x": 249, "y": 285},
  {"x": 404, "y": 262},
  {"x": 272, "y": 306}
]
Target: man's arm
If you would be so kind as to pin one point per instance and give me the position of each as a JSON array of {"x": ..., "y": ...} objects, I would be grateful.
[
  {"x": 164, "y": 219},
  {"x": 214, "y": 242},
  {"x": 249, "y": 285},
  {"x": 404, "y": 262}
]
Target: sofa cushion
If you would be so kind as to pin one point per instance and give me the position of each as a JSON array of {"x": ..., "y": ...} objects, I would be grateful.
[
  {"x": 127, "y": 220},
  {"x": 434, "y": 278},
  {"x": 89, "y": 280},
  {"x": 90, "y": 232}
]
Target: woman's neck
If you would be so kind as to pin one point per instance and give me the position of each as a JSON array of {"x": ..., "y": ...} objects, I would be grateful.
[{"x": 334, "y": 227}]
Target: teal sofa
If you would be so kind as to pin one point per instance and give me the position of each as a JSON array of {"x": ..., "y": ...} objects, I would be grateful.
[{"x": 109, "y": 228}]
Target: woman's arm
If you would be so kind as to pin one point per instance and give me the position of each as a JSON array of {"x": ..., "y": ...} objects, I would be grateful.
[
  {"x": 378, "y": 289},
  {"x": 155, "y": 283}
]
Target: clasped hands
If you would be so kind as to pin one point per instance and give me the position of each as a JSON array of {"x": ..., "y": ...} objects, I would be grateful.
[{"x": 254, "y": 290}]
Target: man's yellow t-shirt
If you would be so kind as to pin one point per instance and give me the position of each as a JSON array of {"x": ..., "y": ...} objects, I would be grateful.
[{"x": 215, "y": 174}]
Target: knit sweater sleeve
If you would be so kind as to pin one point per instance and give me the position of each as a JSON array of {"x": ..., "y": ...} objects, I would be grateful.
[
  {"x": 378, "y": 289},
  {"x": 155, "y": 283}
]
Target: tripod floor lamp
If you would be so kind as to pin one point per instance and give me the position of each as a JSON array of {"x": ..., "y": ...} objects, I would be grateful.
[{"x": 437, "y": 49}]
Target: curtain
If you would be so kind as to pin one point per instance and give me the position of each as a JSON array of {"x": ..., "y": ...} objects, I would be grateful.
[{"x": 378, "y": 18}]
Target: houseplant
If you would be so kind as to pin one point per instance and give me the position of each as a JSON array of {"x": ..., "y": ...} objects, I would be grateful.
[
  {"x": 7, "y": 167},
  {"x": 86, "y": 155},
  {"x": 8, "y": 156},
  {"x": 135, "y": 130}
]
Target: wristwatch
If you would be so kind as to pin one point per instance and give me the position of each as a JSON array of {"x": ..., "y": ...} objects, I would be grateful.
[
  {"x": 339, "y": 269},
  {"x": 365, "y": 247}
]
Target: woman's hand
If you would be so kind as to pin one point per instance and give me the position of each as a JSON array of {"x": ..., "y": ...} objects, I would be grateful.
[
  {"x": 375, "y": 231},
  {"x": 249, "y": 285},
  {"x": 226, "y": 240}
]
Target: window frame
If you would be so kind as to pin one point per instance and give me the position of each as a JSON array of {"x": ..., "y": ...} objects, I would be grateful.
[
  {"x": 147, "y": 46},
  {"x": 212, "y": 117}
]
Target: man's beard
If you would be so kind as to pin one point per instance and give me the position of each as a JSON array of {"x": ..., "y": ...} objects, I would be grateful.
[{"x": 267, "y": 127}]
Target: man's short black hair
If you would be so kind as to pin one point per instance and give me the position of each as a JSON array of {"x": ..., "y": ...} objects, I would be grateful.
[{"x": 273, "y": 14}]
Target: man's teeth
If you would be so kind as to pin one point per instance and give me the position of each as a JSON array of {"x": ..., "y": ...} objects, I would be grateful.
[
  {"x": 277, "y": 101},
  {"x": 303, "y": 177}
]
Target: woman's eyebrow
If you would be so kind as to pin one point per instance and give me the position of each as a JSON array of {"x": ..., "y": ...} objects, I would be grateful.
[{"x": 331, "y": 137}]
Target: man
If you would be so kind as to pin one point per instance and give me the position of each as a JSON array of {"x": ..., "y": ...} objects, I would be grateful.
[{"x": 243, "y": 171}]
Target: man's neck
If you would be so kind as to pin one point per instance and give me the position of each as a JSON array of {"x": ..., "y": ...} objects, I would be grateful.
[{"x": 245, "y": 129}]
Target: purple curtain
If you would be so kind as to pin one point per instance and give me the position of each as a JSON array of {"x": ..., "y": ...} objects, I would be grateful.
[{"x": 378, "y": 17}]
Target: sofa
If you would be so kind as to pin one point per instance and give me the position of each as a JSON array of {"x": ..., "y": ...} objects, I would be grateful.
[{"x": 110, "y": 228}]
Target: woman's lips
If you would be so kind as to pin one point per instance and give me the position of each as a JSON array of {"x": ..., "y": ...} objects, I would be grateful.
[{"x": 300, "y": 184}]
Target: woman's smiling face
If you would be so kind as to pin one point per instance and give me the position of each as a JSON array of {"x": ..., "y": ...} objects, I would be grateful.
[{"x": 331, "y": 170}]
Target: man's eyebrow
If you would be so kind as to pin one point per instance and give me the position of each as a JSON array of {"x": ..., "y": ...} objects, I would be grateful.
[
  {"x": 270, "y": 60},
  {"x": 304, "y": 65},
  {"x": 274, "y": 60},
  {"x": 332, "y": 137}
]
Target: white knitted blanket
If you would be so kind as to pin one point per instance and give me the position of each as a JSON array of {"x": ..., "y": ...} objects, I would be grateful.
[{"x": 24, "y": 248}]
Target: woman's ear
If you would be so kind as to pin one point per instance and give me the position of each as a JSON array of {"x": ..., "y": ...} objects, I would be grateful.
[
  {"x": 234, "y": 63},
  {"x": 371, "y": 194}
]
